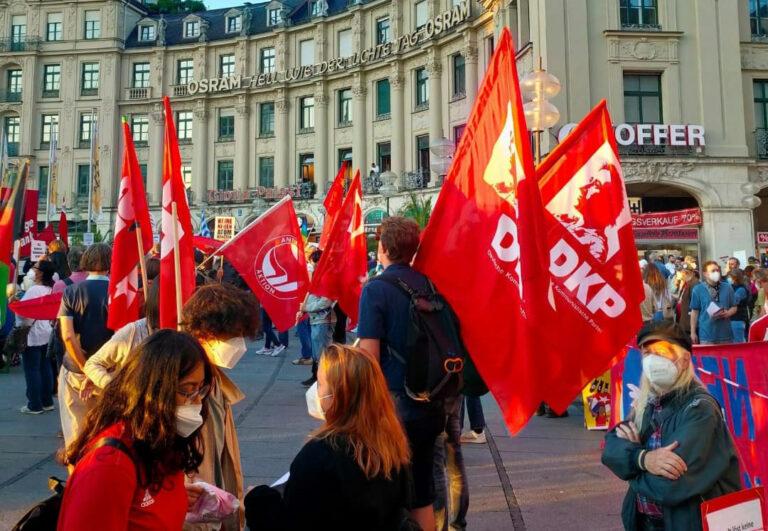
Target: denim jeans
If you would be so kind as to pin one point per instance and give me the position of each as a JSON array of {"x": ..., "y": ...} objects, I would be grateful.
[
  {"x": 305, "y": 338},
  {"x": 739, "y": 328},
  {"x": 451, "y": 486},
  {"x": 474, "y": 408},
  {"x": 39, "y": 376},
  {"x": 321, "y": 338},
  {"x": 269, "y": 335}
]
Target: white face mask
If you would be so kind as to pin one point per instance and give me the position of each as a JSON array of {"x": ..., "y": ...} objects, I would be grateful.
[
  {"x": 314, "y": 408},
  {"x": 226, "y": 353},
  {"x": 714, "y": 276},
  {"x": 188, "y": 419},
  {"x": 660, "y": 371}
]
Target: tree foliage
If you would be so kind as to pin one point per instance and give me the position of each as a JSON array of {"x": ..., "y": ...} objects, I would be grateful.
[
  {"x": 172, "y": 7},
  {"x": 418, "y": 208}
]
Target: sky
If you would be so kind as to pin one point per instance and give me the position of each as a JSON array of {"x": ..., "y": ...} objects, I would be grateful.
[{"x": 216, "y": 4}]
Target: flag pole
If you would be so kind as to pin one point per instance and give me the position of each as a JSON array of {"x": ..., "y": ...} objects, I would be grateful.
[
  {"x": 50, "y": 172},
  {"x": 142, "y": 261},
  {"x": 90, "y": 181},
  {"x": 176, "y": 262}
]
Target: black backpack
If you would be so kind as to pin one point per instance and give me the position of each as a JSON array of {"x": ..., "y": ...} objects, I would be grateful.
[
  {"x": 434, "y": 353},
  {"x": 44, "y": 515}
]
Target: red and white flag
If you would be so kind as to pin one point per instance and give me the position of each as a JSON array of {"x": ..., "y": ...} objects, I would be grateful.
[
  {"x": 484, "y": 244},
  {"x": 63, "y": 228},
  {"x": 343, "y": 266},
  {"x": 269, "y": 255},
  {"x": 597, "y": 285},
  {"x": 174, "y": 192},
  {"x": 132, "y": 216},
  {"x": 332, "y": 205}
]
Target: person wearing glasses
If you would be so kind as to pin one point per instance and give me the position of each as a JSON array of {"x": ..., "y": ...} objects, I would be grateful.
[
  {"x": 220, "y": 317},
  {"x": 674, "y": 450},
  {"x": 139, "y": 441}
]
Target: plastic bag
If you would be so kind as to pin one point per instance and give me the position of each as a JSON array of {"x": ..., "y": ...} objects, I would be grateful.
[{"x": 213, "y": 505}]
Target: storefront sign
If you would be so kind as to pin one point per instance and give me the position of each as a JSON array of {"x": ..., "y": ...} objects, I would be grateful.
[
  {"x": 691, "y": 235},
  {"x": 677, "y": 218},
  {"x": 243, "y": 196},
  {"x": 762, "y": 238},
  {"x": 443, "y": 22},
  {"x": 651, "y": 134},
  {"x": 224, "y": 228}
]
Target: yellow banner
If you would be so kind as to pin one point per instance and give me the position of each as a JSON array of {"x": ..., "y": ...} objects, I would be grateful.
[{"x": 597, "y": 402}]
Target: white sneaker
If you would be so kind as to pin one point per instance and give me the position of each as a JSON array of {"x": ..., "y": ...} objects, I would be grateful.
[
  {"x": 472, "y": 437},
  {"x": 264, "y": 351},
  {"x": 277, "y": 350}
]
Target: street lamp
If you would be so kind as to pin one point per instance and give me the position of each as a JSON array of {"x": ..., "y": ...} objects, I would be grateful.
[
  {"x": 539, "y": 86},
  {"x": 442, "y": 150},
  {"x": 388, "y": 188}
]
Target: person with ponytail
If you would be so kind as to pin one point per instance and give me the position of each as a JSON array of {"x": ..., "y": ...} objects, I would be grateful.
[
  {"x": 139, "y": 440},
  {"x": 675, "y": 449},
  {"x": 353, "y": 471}
]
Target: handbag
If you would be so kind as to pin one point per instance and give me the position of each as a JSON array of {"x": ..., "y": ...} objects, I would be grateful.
[{"x": 16, "y": 342}]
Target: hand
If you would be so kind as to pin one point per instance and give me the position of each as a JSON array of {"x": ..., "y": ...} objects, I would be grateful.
[
  {"x": 694, "y": 338},
  {"x": 628, "y": 431},
  {"x": 87, "y": 391},
  {"x": 665, "y": 462},
  {"x": 720, "y": 314},
  {"x": 193, "y": 493}
]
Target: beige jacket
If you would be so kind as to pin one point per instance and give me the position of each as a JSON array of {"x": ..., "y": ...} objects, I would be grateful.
[{"x": 103, "y": 366}]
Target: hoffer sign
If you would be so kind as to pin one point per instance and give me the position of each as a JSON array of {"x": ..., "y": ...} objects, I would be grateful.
[
  {"x": 441, "y": 23},
  {"x": 651, "y": 134}
]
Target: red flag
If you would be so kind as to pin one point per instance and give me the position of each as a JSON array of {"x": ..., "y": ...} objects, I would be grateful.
[
  {"x": 483, "y": 246},
  {"x": 593, "y": 258},
  {"x": 174, "y": 192},
  {"x": 45, "y": 307},
  {"x": 206, "y": 245},
  {"x": 46, "y": 235},
  {"x": 132, "y": 215},
  {"x": 269, "y": 255},
  {"x": 63, "y": 228},
  {"x": 332, "y": 204},
  {"x": 343, "y": 267}
]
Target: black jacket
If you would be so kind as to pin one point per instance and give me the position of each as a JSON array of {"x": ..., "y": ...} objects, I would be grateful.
[{"x": 691, "y": 417}]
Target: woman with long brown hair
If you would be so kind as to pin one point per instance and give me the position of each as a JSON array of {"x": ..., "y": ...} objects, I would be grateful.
[
  {"x": 657, "y": 305},
  {"x": 353, "y": 471}
]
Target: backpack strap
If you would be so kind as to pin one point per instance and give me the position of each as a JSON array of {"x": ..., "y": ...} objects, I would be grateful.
[
  {"x": 67, "y": 281},
  {"x": 399, "y": 283},
  {"x": 120, "y": 445}
]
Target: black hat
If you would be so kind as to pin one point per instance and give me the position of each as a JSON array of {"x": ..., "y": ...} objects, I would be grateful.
[{"x": 664, "y": 331}]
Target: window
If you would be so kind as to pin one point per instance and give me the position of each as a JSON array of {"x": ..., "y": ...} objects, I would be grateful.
[
  {"x": 267, "y": 172},
  {"x": 642, "y": 99},
  {"x": 490, "y": 45},
  {"x": 184, "y": 126},
  {"x": 42, "y": 184},
  {"x": 226, "y": 124},
  {"x": 89, "y": 82},
  {"x": 143, "y": 171},
  {"x": 83, "y": 179},
  {"x": 638, "y": 13},
  {"x": 758, "y": 17},
  {"x": 384, "y": 156},
  {"x": 186, "y": 175},
  {"x": 267, "y": 62},
  {"x": 92, "y": 24},
  {"x": 760, "y": 87},
  {"x": 191, "y": 29},
  {"x": 345, "y": 43},
  {"x": 306, "y": 52},
  {"x": 422, "y": 153},
  {"x": 345, "y": 154},
  {"x": 382, "y": 30},
  {"x": 18, "y": 31},
  {"x": 147, "y": 32},
  {"x": 267, "y": 119},
  {"x": 51, "y": 81},
  {"x": 345, "y": 107},
  {"x": 185, "y": 71},
  {"x": 54, "y": 27},
  {"x": 307, "y": 116},
  {"x": 225, "y": 175},
  {"x": 420, "y": 12},
  {"x": 459, "y": 77},
  {"x": 12, "y": 125},
  {"x": 140, "y": 129},
  {"x": 307, "y": 168},
  {"x": 227, "y": 65},
  {"x": 382, "y": 99},
  {"x": 87, "y": 121},
  {"x": 140, "y": 75},
  {"x": 314, "y": 9},
  {"x": 14, "y": 85},
  {"x": 273, "y": 17},
  {"x": 422, "y": 88},
  {"x": 234, "y": 23},
  {"x": 457, "y": 132}
]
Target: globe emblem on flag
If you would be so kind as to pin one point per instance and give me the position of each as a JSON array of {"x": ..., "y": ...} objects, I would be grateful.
[{"x": 275, "y": 267}]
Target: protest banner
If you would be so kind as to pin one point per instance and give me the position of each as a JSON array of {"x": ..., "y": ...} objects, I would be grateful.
[
  {"x": 88, "y": 238},
  {"x": 739, "y": 511},
  {"x": 38, "y": 249},
  {"x": 597, "y": 402},
  {"x": 677, "y": 218},
  {"x": 224, "y": 228},
  {"x": 29, "y": 227}
]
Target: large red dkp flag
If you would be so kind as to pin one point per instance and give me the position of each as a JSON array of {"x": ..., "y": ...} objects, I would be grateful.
[
  {"x": 484, "y": 245},
  {"x": 132, "y": 216},
  {"x": 597, "y": 286},
  {"x": 269, "y": 256},
  {"x": 343, "y": 267}
]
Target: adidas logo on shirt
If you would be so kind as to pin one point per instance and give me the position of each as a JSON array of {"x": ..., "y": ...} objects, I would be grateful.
[{"x": 148, "y": 499}]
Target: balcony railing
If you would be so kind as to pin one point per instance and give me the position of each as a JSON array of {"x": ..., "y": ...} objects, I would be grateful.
[
  {"x": 372, "y": 183},
  {"x": 640, "y": 27},
  {"x": 50, "y": 93},
  {"x": 306, "y": 190},
  {"x": 416, "y": 180},
  {"x": 6, "y": 96},
  {"x": 761, "y": 143},
  {"x": 24, "y": 44},
  {"x": 138, "y": 93},
  {"x": 89, "y": 92},
  {"x": 180, "y": 90}
]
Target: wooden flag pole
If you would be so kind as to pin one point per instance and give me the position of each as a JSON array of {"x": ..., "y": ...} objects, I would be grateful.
[
  {"x": 176, "y": 262},
  {"x": 142, "y": 261}
]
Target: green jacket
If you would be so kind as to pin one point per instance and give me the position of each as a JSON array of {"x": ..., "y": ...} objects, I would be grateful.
[{"x": 692, "y": 417}]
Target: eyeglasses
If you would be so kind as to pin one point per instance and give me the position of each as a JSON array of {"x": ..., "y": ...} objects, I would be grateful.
[{"x": 190, "y": 397}]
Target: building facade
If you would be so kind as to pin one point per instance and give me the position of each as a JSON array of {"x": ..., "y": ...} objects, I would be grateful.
[{"x": 272, "y": 97}]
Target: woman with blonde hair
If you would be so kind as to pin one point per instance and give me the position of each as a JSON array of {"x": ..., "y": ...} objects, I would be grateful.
[
  {"x": 675, "y": 449},
  {"x": 657, "y": 305},
  {"x": 353, "y": 471}
]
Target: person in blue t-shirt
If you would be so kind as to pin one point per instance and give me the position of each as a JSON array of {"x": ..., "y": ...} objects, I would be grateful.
[{"x": 712, "y": 306}]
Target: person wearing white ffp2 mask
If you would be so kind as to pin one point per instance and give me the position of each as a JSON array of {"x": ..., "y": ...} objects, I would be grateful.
[
  {"x": 712, "y": 305},
  {"x": 675, "y": 448}
]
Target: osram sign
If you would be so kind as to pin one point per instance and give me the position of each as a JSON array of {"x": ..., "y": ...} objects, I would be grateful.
[{"x": 651, "y": 134}]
